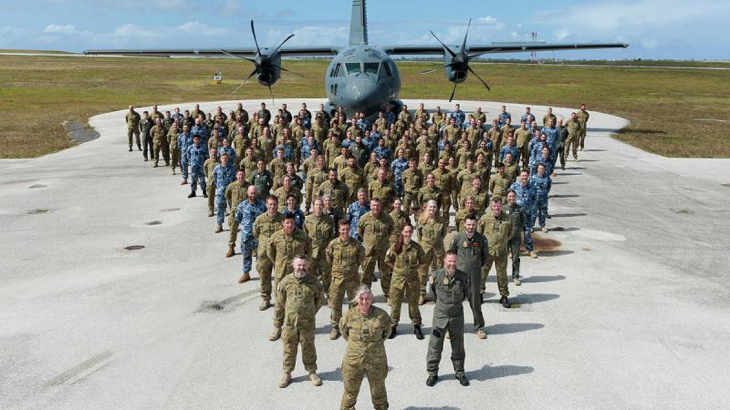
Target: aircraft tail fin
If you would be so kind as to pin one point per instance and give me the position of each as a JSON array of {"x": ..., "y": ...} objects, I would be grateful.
[{"x": 358, "y": 23}]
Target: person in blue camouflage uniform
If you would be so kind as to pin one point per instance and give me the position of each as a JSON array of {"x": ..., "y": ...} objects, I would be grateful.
[
  {"x": 542, "y": 183},
  {"x": 228, "y": 149},
  {"x": 544, "y": 160},
  {"x": 399, "y": 166},
  {"x": 382, "y": 150},
  {"x": 509, "y": 148},
  {"x": 223, "y": 174},
  {"x": 458, "y": 115},
  {"x": 246, "y": 214},
  {"x": 551, "y": 131},
  {"x": 184, "y": 140},
  {"x": 528, "y": 118},
  {"x": 389, "y": 115},
  {"x": 200, "y": 130},
  {"x": 527, "y": 199},
  {"x": 356, "y": 210},
  {"x": 503, "y": 116},
  {"x": 197, "y": 154},
  {"x": 292, "y": 207}
]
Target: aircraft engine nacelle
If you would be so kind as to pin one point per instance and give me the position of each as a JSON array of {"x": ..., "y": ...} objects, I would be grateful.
[
  {"x": 455, "y": 71},
  {"x": 268, "y": 69}
]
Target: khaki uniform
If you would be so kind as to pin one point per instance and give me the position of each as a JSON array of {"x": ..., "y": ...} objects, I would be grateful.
[
  {"x": 159, "y": 143},
  {"x": 132, "y": 119},
  {"x": 365, "y": 356},
  {"x": 315, "y": 178},
  {"x": 498, "y": 231},
  {"x": 448, "y": 316},
  {"x": 574, "y": 133},
  {"x": 481, "y": 200},
  {"x": 427, "y": 194},
  {"x": 519, "y": 219},
  {"x": 208, "y": 167},
  {"x": 385, "y": 191},
  {"x": 522, "y": 139},
  {"x": 452, "y": 133},
  {"x": 445, "y": 184},
  {"x": 338, "y": 192},
  {"x": 263, "y": 229},
  {"x": 235, "y": 194},
  {"x": 248, "y": 165},
  {"x": 278, "y": 169},
  {"x": 345, "y": 259},
  {"x": 583, "y": 120},
  {"x": 354, "y": 179},
  {"x": 431, "y": 233},
  {"x": 499, "y": 185},
  {"x": 406, "y": 281},
  {"x": 282, "y": 249},
  {"x": 375, "y": 234},
  {"x": 321, "y": 230},
  {"x": 297, "y": 302},
  {"x": 282, "y": 193},
  {"x": 412, "y": 183},
  {"x": 174, "y": 151},
  {"x": 400, "y": 219}
]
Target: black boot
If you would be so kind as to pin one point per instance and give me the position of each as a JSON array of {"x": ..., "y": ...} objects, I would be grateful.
[
  {"x": 192, "y": 194},
  {"x": 204, "y": 194},
  {"x": 130, "y": 148},
  {"x": 393, "y": 332},
  {"x": 431, "y": 380},
  {"x": 462, "y": 379},
  {"x": 505, "y": 302},
  {"x": 417, "y": 331}
]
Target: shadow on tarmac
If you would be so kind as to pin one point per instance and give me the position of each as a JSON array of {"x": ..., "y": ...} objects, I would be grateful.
[
  {"x": 528, "y": 299},
  {"x": 568, "y": 215},
  {"x": 507, "y": 328},
  {"x": 495, "y": 372},
  {"x": 565, "y": 196},
  {"x": 541, "y": 279}
]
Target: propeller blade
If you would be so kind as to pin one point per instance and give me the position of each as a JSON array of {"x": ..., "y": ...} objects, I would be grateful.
[
  {"x": 429, "y": 71},
  {"x": 241, "y": 57},
  {"x": 480, "y": 78},
  {"x": 255, "y": 40},
  {"x": 282, "y": 43},
  {"x": 452, "y": 93},
  {"x": 444, "y": 45},
  {"x": 463, "y": 45},
  {"x": 255, "y": 70},
  {"x": 272, "y": 94},
  {"x": 284, "y": 69}
]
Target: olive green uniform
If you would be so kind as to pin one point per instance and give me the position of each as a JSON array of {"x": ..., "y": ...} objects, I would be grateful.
[
  {"x": 412, "y": 183},
  {"x": 282, "y": 249},
  {"x": 522, "y": 138},
  {"x": 498, "y": 231},
  {"x": 405, "y": 281},
  {"x": 281, "y": 195},
  {"x": 338, "y": 192},
  {"x": 208, "y": 167},
  {"x": 159, "y": 144},
  {"x": 263, "y": 229},
  {"x": 315, "y": 178},
  {"x": 445, "y": 184},
  {"x": 321, "y": 230},
  {"x": 519, "y": 219},
  {"x": 235, "y": 194},
  {"x": 583, "y": 120},
  {"x": 365, "y": 356},
  {"x": 375, "y": 234},
  {"x": 345, "y": 259},
  {"x": 449, "y": 294},
  {"x": 132, "y": 119},
  {"x": 354, "y": 178},
  {"x": 297, "y": 302},
  {"x": 384, "y": 191},
  {"x": 431, "y": 235},
  {"x": 499, "y": 185},
  {"x": 574, "y": 133},
  {"x": 472, "y": 255}
]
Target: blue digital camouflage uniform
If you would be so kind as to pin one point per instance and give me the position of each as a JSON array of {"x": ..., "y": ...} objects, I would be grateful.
[
  {"x": 542, "y": 189},
  {"x": 442, "y": 144},
  {"x": 389, "y": 117},
  {"x": 503, "y": 118},
  {"x": 288, "y": 152},
  {"x": 549, "y": 166},
  {"x": 383, "y": 152},
  {"x": 222, "y": 176},
  {"x": 552, "y": 140},
  {"x": 354, "y": 212},
  {"x": 298, "y": 217},
  {"x": 528, "y": 119},
  {"x": 526, "y": 197},
  {"x": 399, "y": 166},
  {"x": 231, "y": 154},
  {"x": 246, "y": 214},
  {"x": 509, "y": 150},
  {"x": 196, "y": 157},
  {"x": 459, "y": 116},
  {"x": 183, "y": 142},
  {"x": 202, "y": 131}
]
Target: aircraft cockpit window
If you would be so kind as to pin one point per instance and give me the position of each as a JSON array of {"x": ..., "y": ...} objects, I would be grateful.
[
  {"x": 388, "y": 71},
  {"x": 371, "y": 68},
  {"x": 352, "y": 68}
]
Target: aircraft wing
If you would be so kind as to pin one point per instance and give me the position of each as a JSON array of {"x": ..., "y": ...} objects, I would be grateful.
[
  {"x": 211, "y": 52},
  {"x": 501, "y": 48}
]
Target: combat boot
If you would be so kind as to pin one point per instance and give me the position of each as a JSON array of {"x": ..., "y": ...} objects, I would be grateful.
[
  {"x": 315, "y": 379},
  {"x": 393, "y": 332},
  {"x": 431, "y": 381},
  {"x": 130, "y": 148},
  {"x": 184, "y": 182},
  {"x": 244, "y": 278},
  {"x": 517, "y": 281},
  {"x": 481, "y": 333},
  {"x": 505, "y": 302},
  {"x": 192, "y": 194},
  {"x": 219, "y": 229},
  {"x": 205, "y": 194},
  {"x": 335, "y": 333},
  {"x": 285, "y": 380},
  {"x": 462, "y": 380},
  {"x": 275, "y": 335},
  {"x": 533, "y": 254},
  {"x": 265, "y": 304},
  {"x": 155, "y": 166},
  {"x": 417, "y": 331},
  {"x": 139, "y": 148},
  {"x": 210, "y": 213},
  {"x": 231, "y": 251}
]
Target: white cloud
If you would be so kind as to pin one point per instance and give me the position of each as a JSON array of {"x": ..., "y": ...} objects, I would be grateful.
[
  {"x": 562, "y": 34},
  {"x": 487, "y": 20},
  {"x": 307, "y": 36},
  {"x": 198, "y": 28},
  {"x": 60, "y": 29}
]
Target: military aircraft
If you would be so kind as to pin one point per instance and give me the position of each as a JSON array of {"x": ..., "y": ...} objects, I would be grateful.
[{"x": 362, "y": 77}]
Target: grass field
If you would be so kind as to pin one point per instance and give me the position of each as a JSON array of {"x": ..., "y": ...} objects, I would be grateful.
[{"x": 673, "y": 112}]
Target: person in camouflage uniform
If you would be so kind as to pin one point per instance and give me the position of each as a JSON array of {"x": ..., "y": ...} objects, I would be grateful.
[
  {"x": 526, "y": 197},
  {"x": 574, "y": 133},
  {"x": 499, "y": 185},
  {"x": 517, "y": 216},
  {"x": 223, "y": 174},
  {"x": 184, "y": 140},
  {"x": 356, "y": 210},
  {"x": 197, "y": 155},
  {"x": 133, "y": 119},
  {"x": 413, "y": 180},
  {"x": 496, "y": 226},
  {"x": 159, "y": 143},
  {"x": 431, "y": 234},
  {"x": 449, "y": 289},
  {"x": 429, "y": 193},
  {"x": 208, "y": 167},
  {"x": 445, "y": 184},
  {"x": 353, "y": 177},
  {"x": 263, "y": 229},
  {"x": 145, "y": 124},
  {"x": 345, "y": 255},
  {"x": 285, "y": 190},
  {"x": 383, "y": 189},
  {"x": 468, "y": 209},
  {"x": 542, "y": 183},
  {"x": 336, "y": 190},
  {"x": 174, "y": 153},
  {"x": 247, "y": 212},
  {"x": 299, "y": 297},
  {"x": 406, "y": 257},
  {"x": 262, "y": 179},
  {"x": 522, "y": 137},
  {"x": 315, "y": 177},
  {"x": 375, "y": 228},
  {"x": 365, "y": 328},
  {"x": 583, "y": 120},
  {"x": 320, "y": 228},
  {"x": 236, "y": 192}
]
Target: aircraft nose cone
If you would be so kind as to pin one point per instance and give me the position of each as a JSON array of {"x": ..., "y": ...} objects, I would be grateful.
[{"x": 364, "y": 91}]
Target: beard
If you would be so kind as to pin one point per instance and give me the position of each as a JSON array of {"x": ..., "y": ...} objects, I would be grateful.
[{"x": 300, "y": 274}]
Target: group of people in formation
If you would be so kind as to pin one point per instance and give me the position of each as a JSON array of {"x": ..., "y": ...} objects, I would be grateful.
[{"x": 321, "y": 200}]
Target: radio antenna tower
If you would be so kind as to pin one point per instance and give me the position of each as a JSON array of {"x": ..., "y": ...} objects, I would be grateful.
[{"x": 533, "y": 54}]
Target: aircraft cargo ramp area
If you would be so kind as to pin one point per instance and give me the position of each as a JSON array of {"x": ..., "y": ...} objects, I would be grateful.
[{"x": 115, "y": 292}]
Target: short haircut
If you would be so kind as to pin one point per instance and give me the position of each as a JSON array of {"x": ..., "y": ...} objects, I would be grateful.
[
  {"x": 272, "y": 198},
  {"x": 343, "y": 222},
  {"x": 450, "y": 252},
  {"x": 288, "y": 215},
  {"x": 300, "y": 256},
  {"x": 471, "y": 216}
]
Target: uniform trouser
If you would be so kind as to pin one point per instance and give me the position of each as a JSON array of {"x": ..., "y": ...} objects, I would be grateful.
[
  {"x": 147, "y": 145},
  {"x": 264, "y": 268},
  {"x": 233, "y": 233},
  {"x": 514, "y": 250},
  {"x": 445, "y": 206},
  {"x": 197, "y": 176},
  {"x": 310, "y": 195},
  {"x": 410, "y": 201},
  {"x": 292, "y": 337},
  {"x": 210, "y": 191},
  {"x": 220, "y": 204},
  {"x": 525, "y": 156},
  {"x": 322, "y": 268},
  {"x": 475, "y": 298},
  {"x": 184, "y": 167},
  {"x": 158, "y": 147},
  {"x": 582, "y": 136},
  {"x": 135, "y": 132},
  {"x": 434, "y": 260},
  {"x": 528, "y": 231},
  {"x": 455, "y": 203},
  {"x": 375, "y": 369},
  {"x": 542, "y": 210},
  {"x": 399, "y": 189},
  {"x": 561, "y": 155},
  {"x": 408, "y": 285},
  {"x": 174, "y": 158},
  {"x": 500, "y": 265},
  {"x": 339, "y": 285},
  {"x": 455, "y": 328},
  {"x": 572, "y": 141},
  {"x": 368, "y": 267},
  {"x": 247, "y": 247}
]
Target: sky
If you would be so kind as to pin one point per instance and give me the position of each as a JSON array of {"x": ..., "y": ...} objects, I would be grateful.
[{"x": 654, "y": 29}]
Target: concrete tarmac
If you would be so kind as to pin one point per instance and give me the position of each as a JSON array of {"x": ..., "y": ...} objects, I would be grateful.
[{"x": 626, "y": 307}]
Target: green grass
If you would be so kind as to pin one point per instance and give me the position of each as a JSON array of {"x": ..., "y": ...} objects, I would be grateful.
[{"x": 663, "y": 105}]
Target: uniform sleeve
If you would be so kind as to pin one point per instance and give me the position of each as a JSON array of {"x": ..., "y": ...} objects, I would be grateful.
[
  {"x": 344, "y": 325},
  {"x": 280, "y": 305},
  {"x": 307, "y": 245},
  {"x": 239, "y": 215},
  {"x": 390, "y": 258},
  {"x": 318, "y": 296},
  {"x": 328, "y": 252},
  {"x": 361, "y": 227},
  {"x": 271, "y": 249},
  {"x": 228, "y": 192},
  {"x": 360, "y": 253},
  {"x": 485, "y": 251}
]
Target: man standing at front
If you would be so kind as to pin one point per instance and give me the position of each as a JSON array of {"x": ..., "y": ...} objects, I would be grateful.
[
  {"x": 449, "y": 287},
  {"x": 263, "y": 229},
  {"x": 245, "y": 215},
  {"x": 497, "y": 228},
  {"x": 223, "y": 174},
  {"x": 473, "y": 252},
  {"x": 133, "y": 119},
  {"x": 375, "y": 228},
  {"x": 583, "y": 120},
  {"x": 345, "y": 254},
  {"x": 298, "y": 299}
]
